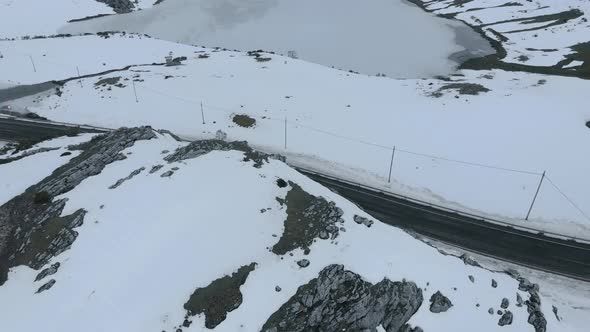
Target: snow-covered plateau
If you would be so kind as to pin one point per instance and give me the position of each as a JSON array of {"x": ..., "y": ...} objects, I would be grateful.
[{"x": 209, "y": 226}]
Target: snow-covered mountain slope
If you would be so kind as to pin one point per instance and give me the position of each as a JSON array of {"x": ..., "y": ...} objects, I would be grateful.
[
  {"x": 339, "y": 122},
  {"x": 20, "y": 18},
  {"x": 540, "y": 33},
  {"x": 142, "y": 232}
]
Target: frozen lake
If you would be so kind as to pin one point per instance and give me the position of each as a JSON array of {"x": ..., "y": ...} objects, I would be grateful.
[{"x": 370, "y": 36}]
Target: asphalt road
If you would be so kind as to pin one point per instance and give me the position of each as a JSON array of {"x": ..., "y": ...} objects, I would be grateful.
[
  {"x": 536, "y": 250},
  {"x": 13, "y": 129},
  {"x": 565, "y": 257}
]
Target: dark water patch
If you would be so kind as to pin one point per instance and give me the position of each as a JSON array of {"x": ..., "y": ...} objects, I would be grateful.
[{"x": 218, "y": 298}]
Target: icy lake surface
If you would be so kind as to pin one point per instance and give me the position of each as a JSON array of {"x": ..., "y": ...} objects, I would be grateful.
[{"x": 370, "y": 36}]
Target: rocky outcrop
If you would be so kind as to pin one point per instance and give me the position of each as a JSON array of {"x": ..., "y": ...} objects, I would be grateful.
[
  {"x": 48, "y": 271},
  {"x": 127, "y": 178},
  {"x": 439, "y": 303},
  {"x": 536, "y": 316},
  {"x": 32, "y": 231},
  {"x": 308, "y": 217},
  {"x": 339, "y": 300},
  {"x": 506, "y": 318},
  {"x": 218, "y": 298},
  {"x": 362, "y": 220},
  {"x": 199, "y": 148},
  {"x": 119, "y": 6}
]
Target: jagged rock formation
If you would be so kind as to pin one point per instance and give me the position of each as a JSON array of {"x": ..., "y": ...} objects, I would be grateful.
[
  {"x": 119, "y": 6},
  {"x": 339, "y": 300},
  {"x": 506, "y": 318},
  {"x": 131, "y": 175},
  {"x": 439, "y": 303},
  {"x": 199, "y": 148},
  {"x": 32, "y": 231},
  {"x": 536, "y": 316}
]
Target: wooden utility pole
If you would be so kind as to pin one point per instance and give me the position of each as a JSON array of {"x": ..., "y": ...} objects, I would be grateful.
[
  {"x": 535, "y": 197},
  {"x": 202, "y": 113},
  {"x": 391, "y": 164},
  {"x": 33, "y": 63}
]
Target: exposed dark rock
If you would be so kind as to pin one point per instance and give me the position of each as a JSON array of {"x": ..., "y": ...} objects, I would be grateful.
[
  {"x": 494, "y": 283},
  {"x": 536, "y": 316},
  {"x": 108, "y": 81},
  {"x": 471, "y": 278},
  {"x": 554, "y": 309},
  {"x": 31, "y": 234},
  {"x": 439, "y": 303},
  {"x": 303, "y": 263},
  {"x": 219, "y": 297},
  {"x": 278, "y": 289},
  {"x": 339, "y": 300},
  {"x": 128, "y": 177},
  {"x": 307, "y": 217},
  {"x": 67, "y": 153},
  {"x": 199, "y": 148},
  {"x": 167, "y": 174},
  {"x": 519, "y": 300},
  {"x": 461, "y": 88},
  {"x": 527, "y": 286},
  {"x": 409, "y": 328},
  {"x": 155, "y": 168},
  {"x": 505, "y": 303},
  {"x": 48, "y": 271},
  {"x": 588, "y": 124},
  {"x": 244, "y": 120},
  {"x": 362, "y": 220},
  {"x": 46, "y": 286},
  {"x": 506, "y": 318},
  {"x": 499, "y": 312},
  {"x": 119, "y": 6},
  {"x": 281, "y": 183},
  {"x": 41, "y": 197},
  {"x": 491, "y": 311}
]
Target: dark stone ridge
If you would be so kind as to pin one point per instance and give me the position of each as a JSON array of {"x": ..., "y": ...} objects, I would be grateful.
[
  {"x": 362, "y": 220},
  {"x": 505, "y": 303},
  {"x": 46, "y": 286},
  {"x": 120, "y": 181},
  {"x": 307, "y": 217},
  {"x": 519, "y": 300},
  {"x": 494, "y": 283},
  {"x": 339, "y": 300},
  {"x": 167, "y": 174},
  {"x": 48, "y": 271},
  {"x": 555, "y": 313},
  {"x": 439, "y": 303},
  {"x": 31, "y": 234},
  {"x": 218, "y": 298},
  {"x": 471, "y": 278},
  {"x": 199, "y": 148},
  {"x": 536, "y": 316},
  {"x": 506, "y": 318},
  {"x": 303, "y": 263}
]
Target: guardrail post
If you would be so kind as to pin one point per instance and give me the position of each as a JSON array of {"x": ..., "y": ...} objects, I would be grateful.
[
  {"x": 535, "y": 197},
  {"x": 391, "y": 164}
]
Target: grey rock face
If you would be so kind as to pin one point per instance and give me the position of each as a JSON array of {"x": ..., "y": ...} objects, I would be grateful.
[
  {"x": 31, "y": 234},
  {"x": 131, "y": 175},
  {"x": 505, "y": 303},
  {"x": 362, "y": 220},
  {"x": 303, "y": 263},
  {"x": 491, "y": 311},
  {"x": 494, "y": 283},
  {"x": 519, "y": 300},
  {"x": 439, "y": 303},
  {"x": 408, "y": 328},
  {"x": 167, "y": 174},
  {"x": 471, "y": 278},
  {"x": 46, "y": 286},
  {"x": 155, "y": 168},
  {"x": 339, "y": 300},
  {"x": 119, "y": 6},
  {"x": 48, "y": 271},
  {"x": 506, "y": 319},
  {"x": 199, "y": 148},
  {"x": 536, "y": 316}
]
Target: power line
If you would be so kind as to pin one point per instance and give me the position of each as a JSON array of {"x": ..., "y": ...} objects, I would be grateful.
[{"x": 567, "y": 198}]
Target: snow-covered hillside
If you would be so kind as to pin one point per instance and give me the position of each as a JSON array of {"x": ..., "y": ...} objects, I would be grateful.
[
  {"x": 341, "y": 123},
  {"x": 20, "y": 18},
  {"x": 137, "y": 231}
]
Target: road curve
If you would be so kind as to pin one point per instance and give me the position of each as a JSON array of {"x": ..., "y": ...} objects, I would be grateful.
[{"x": 536, "y": 250}]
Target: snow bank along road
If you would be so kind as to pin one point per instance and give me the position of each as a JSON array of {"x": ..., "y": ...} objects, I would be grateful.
[{"x": 549, "y": 253}]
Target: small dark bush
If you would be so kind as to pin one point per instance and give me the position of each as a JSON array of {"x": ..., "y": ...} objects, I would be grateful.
[{"x": 243, "y": 120}]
